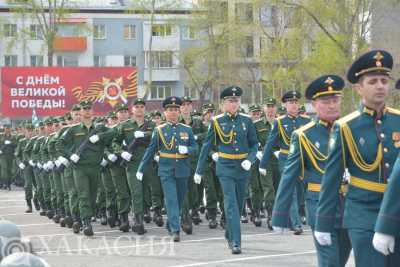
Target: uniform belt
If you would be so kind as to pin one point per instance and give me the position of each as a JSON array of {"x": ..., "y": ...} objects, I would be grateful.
[
  {"x": 367, "y": 185},
  {"x": 284, "y": 151},
  {"x": 313, "y": 187},
  {"x": 232, "y": 156},
  {"x": 173, "y": 156}
]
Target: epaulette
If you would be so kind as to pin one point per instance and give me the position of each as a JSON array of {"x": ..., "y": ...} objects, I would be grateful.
[
  {"x": 162, "y": 125},
  {"x": 305, "y": 116},
  {"x": 305, "y": 127},
  {"x": 348, "y": 117},
  {"x": 393, "y": 111},
  {"x": 218, "y": 116},
  {"x": 187, "y": 126},
  {"x": 280, "y": 117},
  {"x": 245, "y": 115},
  {"x": 53, "y": 133},
  {"x": 257, "y": 120}
]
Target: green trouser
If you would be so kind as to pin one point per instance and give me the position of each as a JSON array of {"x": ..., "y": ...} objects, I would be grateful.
[
  {"x": 58, "y": 190},
  {"x": 118, "y": 175},
  {"x": 191, "y": 198},
  {"x": 111, "y": 195},
  {"x": 101, "y": 197},
  {"x": 155, "y": 186},
  {"x": 213, "y": 188},
  {"x": 261, "y": 188},
  {"x": 65, "y": 191},
  {"x": 6, "y": 165},
  {"x": 72, "y": 192},
  {"x": 39, "y": 188},
  {"x": 86, "y": 178},
  {"x": 273, "y": 171},
  {"x": 47, "y": 196},
  {"x": 137, "y": 188},
  {"x": 28, "y": 178}
]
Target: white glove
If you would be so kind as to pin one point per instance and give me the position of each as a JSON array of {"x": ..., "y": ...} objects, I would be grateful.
[
  {"x": 50, "y": 165},
  {"x": 74, "y": 157},
  {"x": 259, "y": 155},
  {"x": 276, "y": 154},
  {"x": 215, "y": 156},
  {"x": 63, "y": 160},
  {"x": 323, "y": 238},
  {"x": 183, "y": 149},
  {"x": 246, "y": 165},
  {"x": 139, "y": 176},
  {"x": 139, "y": 134},
  {"x": 279, "y": 230},
  {"x": 57, "y": 163},
  {"x": 1, "y": 152},
  {"x": 21, "y": 166},
  {"x": 262, "y": 171},
  {"x": 196, "y": 137},
  {"x": 40, "y": 165},
  {"x": 383, "y": 243},
  {"x": 126, "y": 156},
  {"x": 94, "y": 139},
  {"x": 7, "y": 142},
  {"x": 32, "y": 163},
  {"x": 112, "y": 157},
  {"x": 156, "y": 158},
  {"x": 44, "y": 166},
  {"x": 197, "y": 178},
  {"x": 103, "y": 163}
]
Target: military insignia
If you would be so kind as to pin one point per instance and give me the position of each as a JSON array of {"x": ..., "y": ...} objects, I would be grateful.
[
  {"x": 329, "y": 80},
  {"x": 396, "y": 136},
  {"x": 244, "y": 126},
  {"x": 184, "y": 135},
  {"x": 378, "y": 57},
  {"x": 331, "y": 143},
  {"x": 317, "y": 144},
  {"x": 361, "y": 141},
  {"x": 285, "y": 125},
  {"x": 291, "y": 150}
]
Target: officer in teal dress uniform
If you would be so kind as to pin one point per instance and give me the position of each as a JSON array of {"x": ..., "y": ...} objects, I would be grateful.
[
  {"x": 282, "y": 129},
  {"x": 307, "y": 159},
  {"x": 366, "y": 143},
  {"x": 235, "y": 139},
  {"x": 175, "y": 144}
]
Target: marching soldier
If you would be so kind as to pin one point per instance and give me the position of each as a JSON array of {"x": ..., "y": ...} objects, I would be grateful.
[
  {"x": 235, "y": 139},
  {"x": 175, "y": 145},
  {"x": 132, "y": 137},
  {"x": 307, "y": 159},
  {"x": 8, "y": 143},
  {"x": 366, "y": 143},
  {"x": 280, "y": 134}
]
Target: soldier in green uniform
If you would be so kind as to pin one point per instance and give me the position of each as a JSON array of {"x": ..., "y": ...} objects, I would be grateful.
[
  {"x": 175, "y": 144},
  {"x": 8, "y": 143},
  {"x": 87, "y": 141},
  {"x": 213, "y": 188},
  {"x": 366, "y": 143},
  {"x": 118, "y": 173},
  {"x": 130, "y": 141},
  {"x": 235, "y": 139},
  {"x": 190, "y": 210},
  {"x": 307, "y": 159},
  {"x": 279, "y": 135}
]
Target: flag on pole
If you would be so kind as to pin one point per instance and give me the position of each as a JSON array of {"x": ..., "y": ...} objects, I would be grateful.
[{"x": 35, "y": 119}]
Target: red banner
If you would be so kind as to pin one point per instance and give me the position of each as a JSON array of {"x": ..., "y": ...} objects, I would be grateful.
[{"x": 51, "y": 91}]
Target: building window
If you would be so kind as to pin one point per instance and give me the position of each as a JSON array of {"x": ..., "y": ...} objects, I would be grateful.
[
  {"x": 67, "y": 61},
  {"x": 99, "y": 32},
  {"x": 129, "y": 32},
  {"x": 161, "y": 30},
  {"x": 244, "y": 12},
  {"x": 246, "y": 48},
  {"x": 10, "y": 30},
  {"x": 269, "y": 16},
  {"x": 35, "y": 32},
  {"x": 10, "y": 60},
  {"x": 188, "y": 33},
  {"x": 160, "y": 92},
  {"x": 192, "y": 92},
  {"x": 160, "y": 59},
  {"x": 130, "y": 61},
  {"x": 36, "y": 61},
  {"x": 99, "y": 61}
]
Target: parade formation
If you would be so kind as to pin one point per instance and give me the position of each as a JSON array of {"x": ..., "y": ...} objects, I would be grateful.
[{"x": 337, "y": 173}]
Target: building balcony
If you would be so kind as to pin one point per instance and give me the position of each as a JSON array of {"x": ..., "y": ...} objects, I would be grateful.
[
  {"x": 70, "y": 44},
  {"x": 159, "y": 75}
]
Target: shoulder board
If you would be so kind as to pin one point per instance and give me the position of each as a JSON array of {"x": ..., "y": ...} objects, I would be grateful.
[
  {"x": 348, "y": 117},
  {"x": 257, "y": 120},
  {"x": 162, "y": 126},
  {"x": 34, "y": 137},
  {"x": 218, "y": 116},
  {"x": 52, "y": 134},
  {"x": 305, "y": 127},
  {"x": 75, "y": 124},
  {"x": 245, "y": 115},
  {"x": 280, "y": 117},
  {"x": 65, "y": 127},
  {"x": 40, "y": 138},
  {"x": 305, "y": 116},
  {"x": 187, "y": 126},
  {"x": 393, "y": 111}
]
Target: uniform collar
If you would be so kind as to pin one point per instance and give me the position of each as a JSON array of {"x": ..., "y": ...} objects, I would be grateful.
[
  {"x": 324, "y": 123},
  {"x": 232, "y": 116},
  {"x": 291, "y": 117},
  {"x": 171, "y": 123},
  {"x": 371, "y": 112}
]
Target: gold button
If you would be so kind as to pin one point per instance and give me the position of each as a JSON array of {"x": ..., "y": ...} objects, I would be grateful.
[
  {"x": 234, "y": 133},
  {"x": 385, "y": 150},
  {"x": 176, "y": 160},
  {"x": 387, "y": 165},
  {"x": 236, "y": 149},
  {"x": 382, "y": 135},
  {"x": 379, "y": 121}
]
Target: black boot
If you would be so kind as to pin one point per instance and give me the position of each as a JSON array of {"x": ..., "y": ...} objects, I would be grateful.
[
  {"x": 36, "y": 203},
  {"x": 212, "y": 218},
  {"x": 202, "y": 209},
  {"x": 269, "y": 218},
  {"x": 138, "y": 226},
  {"x": 147, "y": 216},
  {"x": 187, "y": 225},
  {"x": 29, "y": 204},
  {"x": 50, "y": 214},
  {"x": 222, "y": 220},
  {"x": 196, "y": 217},
  {"x": 87, "y": 227},
  {"x": 68, "y": 221},
  {"x": 76, "y": 226},
  {"x": 124, "y": 227},
  {"x": 257, "y": 219},
  {"x": 157, "y": 217},
  {"x": 103, "y": 217},
  {"x": 57, "y": 216},
  {"x": 111, "y": 218}
]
